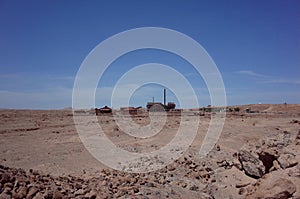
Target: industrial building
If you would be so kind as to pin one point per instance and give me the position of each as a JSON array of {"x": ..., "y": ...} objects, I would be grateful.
[{"x": 159, "y": 107}]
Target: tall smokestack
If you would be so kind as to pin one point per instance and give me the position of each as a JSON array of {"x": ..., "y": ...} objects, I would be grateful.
[{"x": 164, "y": 96}]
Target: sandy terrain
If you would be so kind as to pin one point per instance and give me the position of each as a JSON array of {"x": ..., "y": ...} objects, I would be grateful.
[{"x": 257, "y": 156}]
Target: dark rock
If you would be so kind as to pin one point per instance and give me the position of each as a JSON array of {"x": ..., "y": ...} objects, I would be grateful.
[
  {"x": 4, "y": 178},
  {"x": 252, "y": 166},
  {"x": 294, "y": 122},
  {"x": 242, "y": 191},
  {"x": 149, "y": 184},
  {"x": 194, "y": 188}
]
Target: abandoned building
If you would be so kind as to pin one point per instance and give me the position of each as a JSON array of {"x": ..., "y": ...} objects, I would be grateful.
[
  {"x": 159, "y": 107},
  {"x": 103, "y": 110},
  {"x": 130, "y": 110}
]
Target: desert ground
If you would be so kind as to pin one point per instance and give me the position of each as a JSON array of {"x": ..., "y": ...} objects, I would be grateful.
[{"x": 256, "y": 156}]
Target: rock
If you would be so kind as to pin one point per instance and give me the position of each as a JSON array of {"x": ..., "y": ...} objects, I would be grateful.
[
  {"x": 17, "y": 195},
  {"x": 8, "y": 184},
  {"x": 57, "y": 195},
  {"x": 274, "y": 189},
  {"x": 194, "y": 188},
  {"x": 295, "y": 171},
  {"x": 32, "y": 191},
  {"x": 194, "y": 166},
  {"x": 48, "y": 195},
  {"x": 149, "y": 184},
  {"x": 4, "y": 178},
  {"x": 22, "y": 192},
  {"x": 4, "y": 195},
  {"x": 80, "y": 192},
  {"x": 104, "y": 195},
  {"x": 78, "y": 186},
  {"x": 225, "y": 164},
  {"x": 242, "y": 191},
  {"x": 287, "y": 160},
  {"x": 57, "y": 183},
  {"x": 237, "y": 164},
  {"x": 104, "y": 183},
  {"x": 183, "y": 184},
  {"x": 7, "y": 190},
  {"x": 38, "y": 196},
  {"x": 298, "y": 135},
  {"x": 240, "y": 185},
  {"x": 276, "y": 166},
  {"x": 162, "y": 181},
  {"x": 171, "y": 168},
  {"x": 92, "y": 194},
  {"x": 120, "y": 193},
  {"x": 195, "y": 174},
  {"x": 279, "y": 140},
  {"x": 252, "y": 166},
  {"x": 294, "y": 122},
  {"x": 34, "y": 172}
]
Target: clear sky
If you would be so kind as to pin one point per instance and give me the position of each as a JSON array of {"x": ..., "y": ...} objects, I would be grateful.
[{"x": 255, "y": 44}]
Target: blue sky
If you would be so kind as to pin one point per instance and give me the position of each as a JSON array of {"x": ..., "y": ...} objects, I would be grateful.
[{"x": 255, "y": 44}]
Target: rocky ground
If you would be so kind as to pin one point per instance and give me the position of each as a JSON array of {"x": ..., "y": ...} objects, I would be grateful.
[{"x": 257, "y": 156}]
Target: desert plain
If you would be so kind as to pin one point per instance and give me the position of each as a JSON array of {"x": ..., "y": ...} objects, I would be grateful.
[{"x": 256, "y": 156}]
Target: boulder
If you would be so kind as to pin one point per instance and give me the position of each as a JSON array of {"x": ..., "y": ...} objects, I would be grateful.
[
  {"x": 279, "y": 140},
  {"x": 252, "y": 166},
  {"x": 270, "y": 188},
  {"x": 287, "y": 160}
]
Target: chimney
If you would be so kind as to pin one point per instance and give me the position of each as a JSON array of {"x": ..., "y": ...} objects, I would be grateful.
[{"x": 164, "y": 96}]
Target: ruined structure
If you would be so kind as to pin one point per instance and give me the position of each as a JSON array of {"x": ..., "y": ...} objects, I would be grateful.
[
  {"x": 103, "y": 110},
  {"x": 130, "y": 110},
  {"x": 159, "y": 107}
]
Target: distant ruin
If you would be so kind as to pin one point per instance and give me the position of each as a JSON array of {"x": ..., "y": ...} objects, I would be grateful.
[
  {"x": 159, "y": 107},
  {"x": 103, "y": 110},
  {"x": 130, "y": 110}
]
